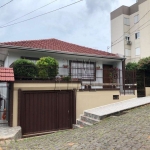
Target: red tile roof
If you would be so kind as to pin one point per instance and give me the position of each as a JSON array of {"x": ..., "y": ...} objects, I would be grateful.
[
  {"x": 54, "y": 44},
  {"x": 6, "y": 74}
]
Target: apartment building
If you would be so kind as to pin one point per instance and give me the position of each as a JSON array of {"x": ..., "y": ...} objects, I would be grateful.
[{"x": 130, "y": 31}]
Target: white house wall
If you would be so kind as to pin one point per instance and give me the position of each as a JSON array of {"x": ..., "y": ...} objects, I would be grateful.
[{"x": 63, "y": 59}]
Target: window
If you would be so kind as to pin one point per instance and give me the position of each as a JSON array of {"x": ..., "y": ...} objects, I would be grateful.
[
  {"x": 127, "y": 38},
  {"x": 83, "y": 70},
  {"x": 137, "y": 51},
  {"x": 127, "y": 52},
  {"x": 137, "y": 35},
  {"x": 33, "y": 59},
  {"x": 126, "y": 21},
  {"x": 136, "y": 19}
]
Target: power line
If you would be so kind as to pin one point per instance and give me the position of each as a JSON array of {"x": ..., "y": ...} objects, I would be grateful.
[
  {"x": 28, "y": 13},
  {"x": 132, "y": 33},
  {"x": 41, "y": 14},
  {"x": 132, "y": 26},
  {"x": 6, "y": 4}
]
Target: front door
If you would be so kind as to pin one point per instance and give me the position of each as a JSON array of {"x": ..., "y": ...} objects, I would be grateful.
[{"x": 106, "y": 75}]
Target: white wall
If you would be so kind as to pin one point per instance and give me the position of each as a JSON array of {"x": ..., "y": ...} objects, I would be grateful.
[{"x": 63, "y": 59}]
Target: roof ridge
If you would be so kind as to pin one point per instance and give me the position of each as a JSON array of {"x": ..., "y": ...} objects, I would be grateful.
[
  {"x": 28, "y": 40},
  {"x": 55, "y": 44}
]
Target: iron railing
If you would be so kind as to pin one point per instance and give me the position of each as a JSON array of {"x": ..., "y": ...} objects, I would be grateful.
[{"x": 91, "y": 78}]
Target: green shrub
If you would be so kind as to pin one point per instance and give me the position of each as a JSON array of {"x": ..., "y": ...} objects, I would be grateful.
[
  {"x": 144, "y": 64},
  {"x": 24, "y": 69},
  {"x": 131, "y": 66},
  {"x": 66, "y": 78},
  {"x": 47, "y": 67}
]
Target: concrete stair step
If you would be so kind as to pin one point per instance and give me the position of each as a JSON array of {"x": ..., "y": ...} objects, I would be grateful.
[
  {"x": 93, "y": 116},
  {"x": 83, "y": 123},
  {"x": 75, "y": 126},
  {"x": 89, "y": 120}
]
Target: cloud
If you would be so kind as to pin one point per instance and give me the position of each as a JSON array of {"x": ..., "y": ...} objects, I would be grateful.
[
  {"x": 86, "y": 23},
  {"x": 99, "y": 5}
]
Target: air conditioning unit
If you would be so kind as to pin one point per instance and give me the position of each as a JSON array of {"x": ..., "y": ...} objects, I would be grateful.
[{"x": 129, "y": 42}]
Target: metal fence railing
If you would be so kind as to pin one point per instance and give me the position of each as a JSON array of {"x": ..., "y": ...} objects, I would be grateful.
[
  {"x": 90, "y": 77},
  {"x": 4, "y": 106}
]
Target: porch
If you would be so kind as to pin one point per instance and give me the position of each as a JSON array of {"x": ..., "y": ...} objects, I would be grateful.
[{"x": 87, "y": 77}]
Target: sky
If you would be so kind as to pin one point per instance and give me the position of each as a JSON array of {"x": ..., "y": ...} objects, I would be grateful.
[{"x": 86, "y": 23}]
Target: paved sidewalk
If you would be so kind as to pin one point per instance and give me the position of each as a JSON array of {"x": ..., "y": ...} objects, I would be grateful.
[
  {"x": 119, "y": 106},
  {"x": 130, "y": 131}
]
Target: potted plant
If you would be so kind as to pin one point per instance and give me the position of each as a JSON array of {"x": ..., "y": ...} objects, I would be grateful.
[
  {"x": 65, "y": 66},
  {"x": 113, "y": 75},
  {"x": 66, "y": 78},
  {"x": 98, "y": 68},
  {"x": 74, "y": 79}
]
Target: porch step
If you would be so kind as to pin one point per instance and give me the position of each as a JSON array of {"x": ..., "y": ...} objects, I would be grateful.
[
  {"x": 107, "y": 110},
  {"x": 94, "y": 115},
  {"x": 75, "y": 126},
  {"x": 89, "y": 120},
  {"x": 82, "y": 123}
]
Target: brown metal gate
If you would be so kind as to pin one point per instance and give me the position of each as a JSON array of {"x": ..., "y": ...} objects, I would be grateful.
[{"x": 43, "y": 111}]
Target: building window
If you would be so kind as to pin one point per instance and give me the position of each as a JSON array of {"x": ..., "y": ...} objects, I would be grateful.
[
  {"x": 83, "y": 70},
  {"x": 127, "y": 52},
  {"x": 137, "y": 35},
  {"x": 32, "y": 59},
  {"x": 126, "y": 21},
  {"x": 137, "y": 51},
  {"x": 136, "y": 19},
  {"x": 127, "y": 38}
]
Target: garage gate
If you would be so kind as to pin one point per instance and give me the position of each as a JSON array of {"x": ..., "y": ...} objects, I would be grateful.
[{"x": 44, "y": 111}]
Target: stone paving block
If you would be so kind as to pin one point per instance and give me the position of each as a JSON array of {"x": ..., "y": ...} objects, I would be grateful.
[{"x": 127, "y": 132}]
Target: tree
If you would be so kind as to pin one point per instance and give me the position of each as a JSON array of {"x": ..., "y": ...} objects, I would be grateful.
[
  {"x": 144, "y": 64},
  {"x": 131, "y": 66},
  {"x": 24, "y": 69},
  {"x": 48, "y": 67}
]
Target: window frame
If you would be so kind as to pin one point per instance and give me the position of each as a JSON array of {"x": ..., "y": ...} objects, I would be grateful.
[
  {"x": 127, "y": 37},
  {"x": 126, "y": 21},
  {"x": 86, "y": 62},
  {"x": 127, "y": 51},
  {"x": 136, "y": 51},
  {"x": 136, "y": 19},
  {"x": 137, "y": 35}
]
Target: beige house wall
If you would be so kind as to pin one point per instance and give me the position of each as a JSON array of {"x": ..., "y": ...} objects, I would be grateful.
[
  {"x": 147, "y": 89},
  {"x": 84, "y": 100},
  {"x": 117, "y": 28},
  {"x": 89, "y": 100},
  {"x": 143, "y": 26},
  {"x": 36, "y": 87},
  {"x": 145, "y": 29}
]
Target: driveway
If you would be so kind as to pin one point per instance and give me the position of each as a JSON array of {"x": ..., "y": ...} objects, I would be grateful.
[{"x": 129, "y": 131}]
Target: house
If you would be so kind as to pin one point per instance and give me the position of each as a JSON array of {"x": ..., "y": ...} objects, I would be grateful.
[
  {"x": 130, "y": 31},
  {"x": 97, "y": 78}
]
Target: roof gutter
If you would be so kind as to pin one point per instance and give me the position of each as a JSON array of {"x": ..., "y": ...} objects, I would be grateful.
[{"x": 60, "y": 52}]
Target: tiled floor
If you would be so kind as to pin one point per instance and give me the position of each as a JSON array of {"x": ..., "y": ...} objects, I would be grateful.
[{"x": 119, "y": 106}]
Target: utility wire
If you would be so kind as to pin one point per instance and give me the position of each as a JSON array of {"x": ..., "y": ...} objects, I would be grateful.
[
  {"x": 6, "y": 4},
  {"x": 132, "y": 26},
  {"x": 41, "y": 14},
  {"x": 28, "y": 13},
  {"x": 132, "y": 33}
]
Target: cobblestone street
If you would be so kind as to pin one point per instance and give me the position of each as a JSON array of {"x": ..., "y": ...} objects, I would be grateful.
[{"x": 129, "y": 131}]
